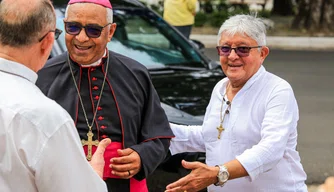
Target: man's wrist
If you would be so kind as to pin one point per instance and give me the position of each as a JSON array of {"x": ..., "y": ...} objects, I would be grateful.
[
  {"x": 222, "y": 176},
  {"x": 216, "y": 173}
]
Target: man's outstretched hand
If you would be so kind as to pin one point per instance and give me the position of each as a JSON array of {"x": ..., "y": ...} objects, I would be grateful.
[
  {"x": 201, "y": 176},
  {"x": 97, "y": 161}
]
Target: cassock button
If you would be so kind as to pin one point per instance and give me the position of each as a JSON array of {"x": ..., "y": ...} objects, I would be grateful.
[
  {"x": 94, "y": 78},
  {"x": 99, "y": 108},
  {"x": 92, "y": 69},
  {"x": 96, "y": 97},
  {"x": 95, "y": 88},
  {"x": 100, "y": 118},
  {"x": 104, "y": 136},
  {"x": 103, "y": 127}
]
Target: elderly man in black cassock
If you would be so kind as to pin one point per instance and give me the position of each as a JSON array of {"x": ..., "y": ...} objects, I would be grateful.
[{"x": 108, "y": 95}]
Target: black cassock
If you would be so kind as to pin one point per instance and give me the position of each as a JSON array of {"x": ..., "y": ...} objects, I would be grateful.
[{"x": 129, "y": 113}]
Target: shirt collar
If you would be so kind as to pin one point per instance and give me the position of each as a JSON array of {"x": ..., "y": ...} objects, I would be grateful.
[
  {"x": 250, "y": 81},
  {"x": 17, "y": 69},
  {"x": 248, "y": 84},
  {"x": 96, "y": 63}
]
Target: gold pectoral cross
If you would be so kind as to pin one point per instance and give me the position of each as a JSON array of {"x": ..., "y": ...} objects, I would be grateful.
[
  {"x": 220, "y": 130},
  {"x": 89, "y": 142}
]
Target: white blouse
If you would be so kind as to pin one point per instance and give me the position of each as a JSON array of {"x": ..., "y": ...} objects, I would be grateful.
[
  {"x": 40, "y": 149},
  {"x": 260, "y": 132}
]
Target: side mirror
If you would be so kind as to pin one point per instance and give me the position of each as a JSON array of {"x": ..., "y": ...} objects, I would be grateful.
[
  {"x": 214, "y": 65},
  {"x": 199, "y": 45}
]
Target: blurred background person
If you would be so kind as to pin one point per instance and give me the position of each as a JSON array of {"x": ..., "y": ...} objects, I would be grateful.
[{"x": 181, "y": 14}]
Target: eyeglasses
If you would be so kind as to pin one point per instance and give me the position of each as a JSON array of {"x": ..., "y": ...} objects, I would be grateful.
[
  {"x": 56, "y": 31},
  {"x": 92, "y": 30},
  {"x": 241, "y": 51}
]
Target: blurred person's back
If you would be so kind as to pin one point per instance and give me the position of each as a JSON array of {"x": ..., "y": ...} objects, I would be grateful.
[{"x": 180, "y": 14}]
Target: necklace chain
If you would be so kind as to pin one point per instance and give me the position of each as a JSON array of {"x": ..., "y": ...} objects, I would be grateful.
[
  {"x": 222, "y": 117},
  {"x": 100, "y": 95}
]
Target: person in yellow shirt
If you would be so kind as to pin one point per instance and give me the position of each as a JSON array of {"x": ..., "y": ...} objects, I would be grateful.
[{"x": 180, "y": 14}]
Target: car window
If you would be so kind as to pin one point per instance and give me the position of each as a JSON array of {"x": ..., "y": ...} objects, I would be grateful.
[
  {"x": 147, "y": 38},
  {"x": 143, "y": 32}
]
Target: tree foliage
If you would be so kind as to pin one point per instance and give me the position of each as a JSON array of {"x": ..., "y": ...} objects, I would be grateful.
[
  {"x": 283, "y": 7},
  {"x": 315, "y": 15}
]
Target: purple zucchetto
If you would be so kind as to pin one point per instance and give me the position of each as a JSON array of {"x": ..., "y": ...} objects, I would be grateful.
[{"x": 104, "y": 3}]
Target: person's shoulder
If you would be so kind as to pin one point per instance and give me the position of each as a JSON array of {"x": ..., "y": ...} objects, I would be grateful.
[
  {"x": 49, "y": 72},
  {"x": 54, "y": 63},
  {"x": 273, "y": 85},
  {"x": 276, "y": 80}
]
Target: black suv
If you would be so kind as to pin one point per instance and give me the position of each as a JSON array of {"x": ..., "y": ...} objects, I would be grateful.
[{"x": 182, "y": 75}]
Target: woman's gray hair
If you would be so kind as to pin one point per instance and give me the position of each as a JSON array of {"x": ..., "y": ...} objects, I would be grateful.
[
  {"x": 245, "y": 25},
  {"x": 109, "y": 14}
]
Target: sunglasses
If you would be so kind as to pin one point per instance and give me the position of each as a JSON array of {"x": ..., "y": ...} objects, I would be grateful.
[
  {"x": 92, "y": 30},
  {"x": 56, "y": 31},
  {"x": 241, "y": 51}
]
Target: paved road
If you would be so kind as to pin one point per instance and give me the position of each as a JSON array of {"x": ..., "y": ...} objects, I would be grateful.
[{"x": 311, "y": 74}]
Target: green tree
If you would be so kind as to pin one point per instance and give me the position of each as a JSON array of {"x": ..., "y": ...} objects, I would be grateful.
[
  {"x": 315, "y": 15},
  {"x": 283, "y": 7}
]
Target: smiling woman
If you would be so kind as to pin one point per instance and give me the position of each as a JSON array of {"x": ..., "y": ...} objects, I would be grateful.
[
  {"x": 239, "y": 65},
  {"x": 249, "y": 131}
]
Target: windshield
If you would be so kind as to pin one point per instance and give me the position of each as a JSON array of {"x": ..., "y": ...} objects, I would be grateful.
[{"x": 145, "y": 37}]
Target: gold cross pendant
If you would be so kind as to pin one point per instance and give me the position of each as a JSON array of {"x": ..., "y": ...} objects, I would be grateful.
[
  {"x": 220, "y": 130},
  {"x": 89, "y": 144}
]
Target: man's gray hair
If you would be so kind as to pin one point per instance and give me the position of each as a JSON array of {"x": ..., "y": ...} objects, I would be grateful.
[
  {"x": 109, "y": 14},
  {"x": 19, "y": 28},
  {"x": 245, "y": 25}
]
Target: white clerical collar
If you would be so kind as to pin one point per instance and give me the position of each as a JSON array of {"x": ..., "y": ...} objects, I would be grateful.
[{"x": 96, "y": 63}]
